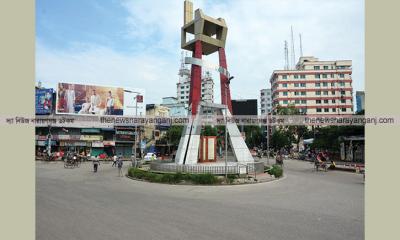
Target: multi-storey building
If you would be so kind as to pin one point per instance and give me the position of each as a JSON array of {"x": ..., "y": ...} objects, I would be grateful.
[
  {"x": 265, "y": 101},
  {"x": 315, "y": 87},
  {"x": 183, "y": 87},
  {"x": 360, "y": 100}
]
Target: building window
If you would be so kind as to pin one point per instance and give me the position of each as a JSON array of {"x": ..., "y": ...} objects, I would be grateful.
[
  {"x": 324, "y": 76},
  {"x": 341, "y": 75},
  {"x": 284, "y": 84},
  {"x": 297, "y": 101},
  {"x": 317, "y": 84},
  {"x": 316, "y": 67},
  {"x": 332, "y": 75},
  {"x": 303, "y": 101},
  {"x": 317, "y": 76},
  {"x": 318, "y": 101},
  {"x": 284, "y": 93},
  {"x": 182, "y": 97},
  {"x": 285, "y": 101},
  {"x": 262, "y": 94},
  {"x": 318, "y": 93},
  {"x": 343, "y": 100},
  {"x": 332, "y": 84},
  {"x": 325, "y": 84},
  {"x": 303, "y": 76},
  {"x": 302, "y": 85},
  {"x": 268, "y": 93},
  {"x": 344, "y": 109},
  {"x": 326, "y": 101},
  {"x": 325, "y": 92},
  {"x": 182, "y": 87},
  {"x": 303, "y": 93},
  {"x": 343, "y": 92},
  {"x": 296, "y": 93},
  {"x": 342, "y": 84},
  {"x": 333, "y": 109},
  {"x": 333, "y": 92},
  {"x": 333, "y": 101},
  {"x": 284, "y": 76},
  {"x": 326, "y": 67},
  {"x": 296, "y": 85},
  {"x": 319, "y": 110},
  {"x": 296, "y": 76},
  {"x": 326, "y": 109}
]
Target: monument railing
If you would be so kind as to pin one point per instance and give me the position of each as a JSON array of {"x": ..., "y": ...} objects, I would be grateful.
[{"x": 164, "y": 166}]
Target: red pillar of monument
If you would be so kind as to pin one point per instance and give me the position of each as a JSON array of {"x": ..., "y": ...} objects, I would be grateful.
[
  {"x": 195, "y": 83},
  {"x": 225, "y": 90}
]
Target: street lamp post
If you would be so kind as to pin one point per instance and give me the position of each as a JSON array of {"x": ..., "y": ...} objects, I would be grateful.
[
  {"x": 267, "y": 137},
  {"x": 226, "y": 126},
  {"x": 135, "y": 139}
]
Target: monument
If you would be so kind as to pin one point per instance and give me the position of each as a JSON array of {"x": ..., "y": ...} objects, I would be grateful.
[{"x": 204, "y": 35}]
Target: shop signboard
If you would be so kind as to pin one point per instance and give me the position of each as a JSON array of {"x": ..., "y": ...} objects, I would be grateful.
[
  {"x": 91, "y": 138},
  {"x": 125, "y": 135},
  {"x": 108, "y": 143},
  {"x": 98, "y": 144}
]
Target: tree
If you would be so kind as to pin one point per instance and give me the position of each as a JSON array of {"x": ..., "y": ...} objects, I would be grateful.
[
  {"x": 174, "y": 134},
  {"x": 280, "y": 139}
]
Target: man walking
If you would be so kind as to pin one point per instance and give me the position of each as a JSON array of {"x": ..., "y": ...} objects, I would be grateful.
[
  {"x": 96, "y": 163},
  {"x": 114, "y": 161},
  {"x": 119, "y": 165}
]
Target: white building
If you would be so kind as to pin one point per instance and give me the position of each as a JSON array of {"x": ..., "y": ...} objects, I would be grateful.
[
  {"x": 315, "y": 86},
  {"x": 265, "y": 101},
  {"x": 183, "y": 87}
]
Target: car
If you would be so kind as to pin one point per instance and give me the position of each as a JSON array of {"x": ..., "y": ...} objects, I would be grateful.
[{"x": 148, "y": 156}]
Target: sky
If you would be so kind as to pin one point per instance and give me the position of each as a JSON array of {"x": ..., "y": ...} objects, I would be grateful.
[{"x": 136, "y": 43}]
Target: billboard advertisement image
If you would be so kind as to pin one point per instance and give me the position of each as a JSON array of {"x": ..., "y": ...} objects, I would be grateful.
[
  {"x": 43, "y": 101},
  {"x": 94, "y": 100}
]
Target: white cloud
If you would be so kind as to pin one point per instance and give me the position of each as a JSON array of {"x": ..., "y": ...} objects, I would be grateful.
[
  {"x": 103, "y": 66},
  {"x": 330, "y": 30}
]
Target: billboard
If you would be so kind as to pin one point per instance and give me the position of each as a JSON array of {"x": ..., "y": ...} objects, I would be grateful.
[
  {"x": 43, "y": 101},
  {"x": 244, "y": 107},
  {"x": 96, "y": 100}
]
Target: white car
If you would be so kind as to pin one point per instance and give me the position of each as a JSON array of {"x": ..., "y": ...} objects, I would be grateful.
[{"x": 148, "y": 156}]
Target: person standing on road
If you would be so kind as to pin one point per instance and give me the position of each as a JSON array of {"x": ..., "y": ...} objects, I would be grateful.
[
  {"x": 96, "y": 163},
  {"x": 119, "y": 165},
  {"x": 115, "y": 158}
]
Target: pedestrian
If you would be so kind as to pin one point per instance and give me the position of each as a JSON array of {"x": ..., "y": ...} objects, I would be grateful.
[
  {"x": 96, "y": 163},
  {"x": 119, "y": 164},
  {"x": 114, "y": 161}
]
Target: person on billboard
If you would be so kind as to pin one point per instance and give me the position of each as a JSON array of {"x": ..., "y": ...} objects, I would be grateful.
[
  {"x": 94, "y": 102},
  {"x": 110, "y": 104},
  {"x": 61, "y": 99},
  {"x": 70, "y": 99},
  {"x": 47, "y": 101},
  {"x": 85, "y": 107}
]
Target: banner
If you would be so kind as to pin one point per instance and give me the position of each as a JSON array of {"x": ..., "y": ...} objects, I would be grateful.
[
  {"x": 89, "y": 99},
  {"x": 43, "y": 101}
]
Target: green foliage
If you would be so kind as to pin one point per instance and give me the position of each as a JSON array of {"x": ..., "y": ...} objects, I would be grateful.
[
  {"x": 328, "y": 137},
  {"x": 172, "y": 178},
  {"x": 209, "y": 131},
  {"x": 231, "y": 178},
  {"x": 281, "y": 139},
  {"x": 253, "y": 136},
  {"x": 173, "y": 135},
  {"x": 207, "y": 178},
  {"x": 276, "y": 170}
]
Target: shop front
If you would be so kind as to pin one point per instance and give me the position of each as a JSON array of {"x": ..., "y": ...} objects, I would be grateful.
[{"x": 124, "y": 139}]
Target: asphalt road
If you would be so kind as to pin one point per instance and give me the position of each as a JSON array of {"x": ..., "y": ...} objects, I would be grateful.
[{"x": 79, "y": 204}]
